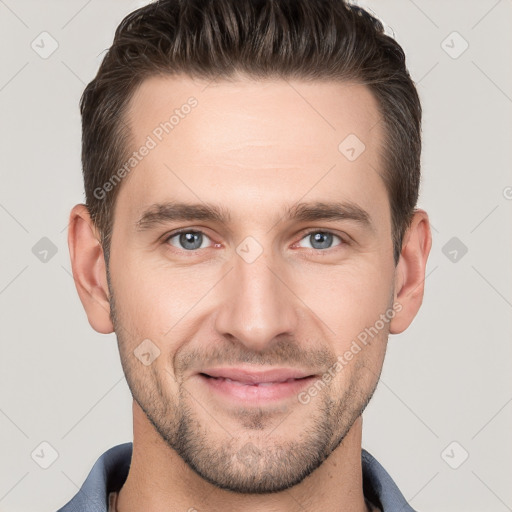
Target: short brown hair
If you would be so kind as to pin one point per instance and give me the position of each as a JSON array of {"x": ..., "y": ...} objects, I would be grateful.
[{"x": 300, "y": 39}]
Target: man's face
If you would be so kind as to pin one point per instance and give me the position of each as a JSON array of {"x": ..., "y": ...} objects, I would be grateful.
[{"x": 261, "y": 290}]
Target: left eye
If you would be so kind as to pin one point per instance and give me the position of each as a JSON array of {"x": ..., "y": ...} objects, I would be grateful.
[{"x": 320, "y": 239}]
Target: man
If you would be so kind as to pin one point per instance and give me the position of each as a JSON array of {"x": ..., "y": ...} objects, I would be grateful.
[{"x": 251, "y": 235}]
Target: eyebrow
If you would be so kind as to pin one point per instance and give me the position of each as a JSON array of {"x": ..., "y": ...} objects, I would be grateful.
[{"x": 161, "y": 213}]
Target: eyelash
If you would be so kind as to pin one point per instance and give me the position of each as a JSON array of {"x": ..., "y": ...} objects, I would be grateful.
[{"x": 167, "y": 238}]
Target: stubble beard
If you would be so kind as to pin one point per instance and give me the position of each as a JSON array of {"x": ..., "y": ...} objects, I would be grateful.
[{"x": 262, "y": 459}]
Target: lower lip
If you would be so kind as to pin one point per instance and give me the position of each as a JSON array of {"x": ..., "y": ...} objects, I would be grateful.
[{"x": 257, "y": 393}]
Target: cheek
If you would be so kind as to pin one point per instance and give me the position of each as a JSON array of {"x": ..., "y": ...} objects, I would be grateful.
[
  {"x": 160, "y": 303},
  {"x": 347, "y": 299},
  {"x": 350, "y": 303}
]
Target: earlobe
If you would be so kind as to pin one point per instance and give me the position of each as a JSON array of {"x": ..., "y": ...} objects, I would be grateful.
[
  {"x": 410, "y": 271},
  {"x": 89, "y": 271}
]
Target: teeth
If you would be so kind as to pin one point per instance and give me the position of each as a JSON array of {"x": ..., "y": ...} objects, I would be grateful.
[{"x": 237, "y": 383}]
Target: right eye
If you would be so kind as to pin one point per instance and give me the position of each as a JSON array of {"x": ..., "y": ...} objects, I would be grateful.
[{"x": 187, "y": 240}]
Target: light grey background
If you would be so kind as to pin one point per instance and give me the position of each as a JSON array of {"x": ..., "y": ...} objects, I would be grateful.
[{"x": 447, "y": 378}]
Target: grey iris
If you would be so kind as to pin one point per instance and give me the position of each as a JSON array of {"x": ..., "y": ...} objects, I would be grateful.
[
  {"x": 323, "y": 240},
  {"x": 191, "y": 240}
]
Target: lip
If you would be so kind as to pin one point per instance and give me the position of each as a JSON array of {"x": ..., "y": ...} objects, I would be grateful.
[
  {"x": 245, "y": 376},
  {"x": 255, "y": 388}
]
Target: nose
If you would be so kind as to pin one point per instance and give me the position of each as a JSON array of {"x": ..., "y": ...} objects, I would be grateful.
[{"x": 256, "y": 304}]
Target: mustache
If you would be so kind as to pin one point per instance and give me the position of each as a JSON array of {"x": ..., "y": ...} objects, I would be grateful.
[{"x": 282, "y": 353}]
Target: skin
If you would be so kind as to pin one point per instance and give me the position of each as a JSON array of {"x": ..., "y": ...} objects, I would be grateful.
[{"x": 253, "y": 148}]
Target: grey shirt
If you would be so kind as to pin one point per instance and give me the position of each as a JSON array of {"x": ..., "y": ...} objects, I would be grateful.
[{"x": 111, "y": 469}]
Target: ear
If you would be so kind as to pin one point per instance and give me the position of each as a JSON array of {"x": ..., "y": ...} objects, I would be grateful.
[
  {"x": 410, "y": 271},
  {"x": 89, "y": 270}
]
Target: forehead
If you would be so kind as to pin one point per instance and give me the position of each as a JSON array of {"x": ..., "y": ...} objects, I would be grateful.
[
  {"x": 261, "y": 111},
  {"x": 253, "y": 139}
]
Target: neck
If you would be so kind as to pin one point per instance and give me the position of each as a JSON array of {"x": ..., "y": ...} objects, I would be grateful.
[{"x": 159, "y": 480}]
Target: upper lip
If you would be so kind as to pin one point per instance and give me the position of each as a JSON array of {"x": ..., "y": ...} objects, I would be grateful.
[{"x": 256, "y": 377}]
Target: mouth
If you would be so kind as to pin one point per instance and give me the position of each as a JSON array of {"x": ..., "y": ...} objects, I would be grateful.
[
  {"x": 255, "y": 388},
  {"x": 248, "y": 375},
  {"x": 259, "y": 384}
]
